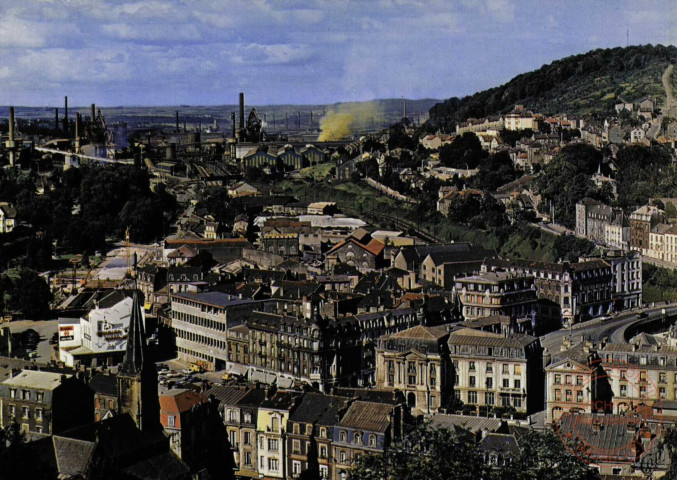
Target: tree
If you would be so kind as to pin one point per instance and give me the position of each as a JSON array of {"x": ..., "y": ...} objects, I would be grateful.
[
  {"x": 426, "y": 453},
  {"x": 30, "y": 293},
  {"x": 464, "y": 152},
  {"x": 543, "y": 456},
  {"x": 16, "y": 459},
  {"x": 569, "y": 247}
]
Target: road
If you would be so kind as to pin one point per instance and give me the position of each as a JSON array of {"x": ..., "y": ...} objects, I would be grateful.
[
  {"x": 594, "y": 330},
  {"x": 554, "y": 228}
]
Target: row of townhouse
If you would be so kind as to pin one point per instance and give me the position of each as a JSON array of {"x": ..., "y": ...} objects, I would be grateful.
[
  {"x": 283, "y": 336},
  {"x": 611, "y": 378},
  {"x": 579, "y": 290},
  {"x": 281, "y": 434}
]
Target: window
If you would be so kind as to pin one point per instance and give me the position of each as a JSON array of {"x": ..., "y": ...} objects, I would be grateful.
[
  {"x": 231, "y": 415},
  {"x": 248, "y": 458},
  {"x": 12, "y": 391},
  {"x": 568, "y": 380},
  {"x": 275, "y": 424},
  {"x": 642, "y": 376},
  {"x": 624, "y": 390},
  {"x": 579, "y": 380},
  {"x": 372, "y": 440},
  {"x": 171, "y": 420},
  {"x": 296, "y": 446},
  {"x": 489, "y": 398},
  {"x": 661, "y": 392},
  {"x": 662, "y": 377},
  {"x": 506, "y": 368},
  {"x": 472, "y": 366},
  {"x": 558, "y": 394},
  {"x": 623, "y": 373},
  {"x": 472, "y": 381},
  {"x": 472, "y": 397},
  {"x": 517, "y": 402},
  {"x": 232, "y": 439},
  {"x": 273, "y": 445},
  {"x": 518, "y": 383},
  {"x": 247, "y": 438},
  {"x": 357, "y": 438},
  {"x": 295, "y": 429},
  {"x": 12, "y": 411},
  {"x": 247, "y": 418},
  {"x": 38, "y": 414},
  {"x": 323, "y": 432},
  {"x": 323, "y": 451},
  {"x": 518, "y": 369},
  {"x": 579, "y": 396},
  {"x": 324, "y": 471},
  {"x": 558, "y": 379},
  {"x": 490, "y": 367},
  {"x": 490, "y": 382},
  {"x": 342, "y": 436},
  {"x": 262, "y": 461},
  {"x": 25, "y": 412},
  {"x": 506, "y": 383},
  {"x": 296, "y": 467},
  {"x": 273, "y": 464},
  {"x": 25, "y": 394}
]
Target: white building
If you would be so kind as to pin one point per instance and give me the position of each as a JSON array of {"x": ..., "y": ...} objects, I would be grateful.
[{"x": 98, "y": 338}]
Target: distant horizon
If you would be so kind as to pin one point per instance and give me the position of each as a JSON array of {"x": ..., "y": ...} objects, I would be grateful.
[
  {"x": 298, "y": 52},
  {"x": 234, "y": 105}
]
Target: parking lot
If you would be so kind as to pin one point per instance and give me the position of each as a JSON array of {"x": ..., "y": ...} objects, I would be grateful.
[{"x": 45, "y": 328}]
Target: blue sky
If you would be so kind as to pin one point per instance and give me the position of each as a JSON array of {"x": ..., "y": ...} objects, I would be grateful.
[{"x": 203, "y": 52}]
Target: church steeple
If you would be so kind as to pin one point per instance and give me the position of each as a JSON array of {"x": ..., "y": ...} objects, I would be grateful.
[
  {"x": 137, "y": 378},
  {"x": 135, "y": 353}
]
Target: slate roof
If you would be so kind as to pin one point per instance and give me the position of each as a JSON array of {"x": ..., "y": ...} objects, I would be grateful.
[
  {"x": 217, "y": 299},
  {"x": 468, "y": 336},
  {"x": 369, "y": 416},
  {"x": 420, "y": 332},
  {"x": 318, "y": 408},
  {"x": 104, "y": 384},
  {"x": 227, "y": 395},
  {"x": 500, "y": 443},
  {"x": 282, "y": 400},
  {"x": 72, "y": 455},
  {"x": 467, "y": 422}
]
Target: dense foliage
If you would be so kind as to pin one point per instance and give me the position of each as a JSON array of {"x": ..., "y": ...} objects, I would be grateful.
[
  {"x": 590, "y": 82},
  {"x": 440, "y": 454},
  {"x": 566, "y": 180},
  {"x": 81, "y": 207}
]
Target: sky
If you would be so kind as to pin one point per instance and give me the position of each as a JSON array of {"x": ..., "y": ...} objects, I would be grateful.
[{"x": 203, "y": 52}]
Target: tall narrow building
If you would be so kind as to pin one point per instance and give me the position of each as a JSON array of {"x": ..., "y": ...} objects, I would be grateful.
[{"x": 137, "y": 379}]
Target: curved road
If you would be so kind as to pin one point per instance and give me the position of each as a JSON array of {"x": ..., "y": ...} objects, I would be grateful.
[{"x": 594, "y": 330}]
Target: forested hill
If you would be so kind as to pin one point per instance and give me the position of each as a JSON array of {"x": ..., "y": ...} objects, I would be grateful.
[{"x": 586, "y": 83}]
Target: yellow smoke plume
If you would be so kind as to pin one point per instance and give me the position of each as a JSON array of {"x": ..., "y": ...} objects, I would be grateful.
[{"x": 348, "y": 118}]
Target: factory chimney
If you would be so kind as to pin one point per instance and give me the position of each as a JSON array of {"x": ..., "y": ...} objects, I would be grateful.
[
  {"x": 242, "y": 111},
  {"x": 232, "y": 122},
  {"x": 311, "y": 119},
  {"x": 298, "y": 114},
  {"x": 93, "y": 112},
  {"x": 65, "y": 118},
  {"x": 77, "y": 131},
  {"x": 56, "y": 119},
  {"x": 10, "y": 144},
  {"x": 177, "y": 121}
]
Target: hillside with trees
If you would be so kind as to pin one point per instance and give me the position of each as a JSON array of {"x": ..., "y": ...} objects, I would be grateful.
[{"x": 588, "y": 83}]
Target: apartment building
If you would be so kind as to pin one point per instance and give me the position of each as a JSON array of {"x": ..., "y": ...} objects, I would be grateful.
[
  {"x": 496, "y": 370},
  {"x": 416, "y": 362},
  {"x": 201, "y": 320},
  {"x": 496, "y": 293}
]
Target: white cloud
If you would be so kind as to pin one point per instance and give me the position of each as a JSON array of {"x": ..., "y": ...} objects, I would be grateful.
[{"x": 17, "y": 33}]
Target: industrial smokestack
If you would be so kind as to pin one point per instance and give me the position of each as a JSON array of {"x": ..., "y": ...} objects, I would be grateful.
[
  {"x": 177, "y": 122},
  {"x": 78, "y": 120},
  {"x": 10, "y": 144},
  {"x": 56, "y": 119},
  {"x": 232, "y": 122},
  {"x": 65, "y": 117},
  {"x": 11, "y": 124},
  {"x": 93, "y": 112},
  {"x": 311, "y": 119},
  {"x": 241, "y": 111},
  {"x": 298, "y": 114}
]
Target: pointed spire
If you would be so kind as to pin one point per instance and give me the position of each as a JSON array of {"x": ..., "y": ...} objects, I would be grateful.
[{"x": 136, "y": 336}]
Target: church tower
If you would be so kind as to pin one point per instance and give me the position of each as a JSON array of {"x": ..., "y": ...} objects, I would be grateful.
[{"x": 137, "y": 379}]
